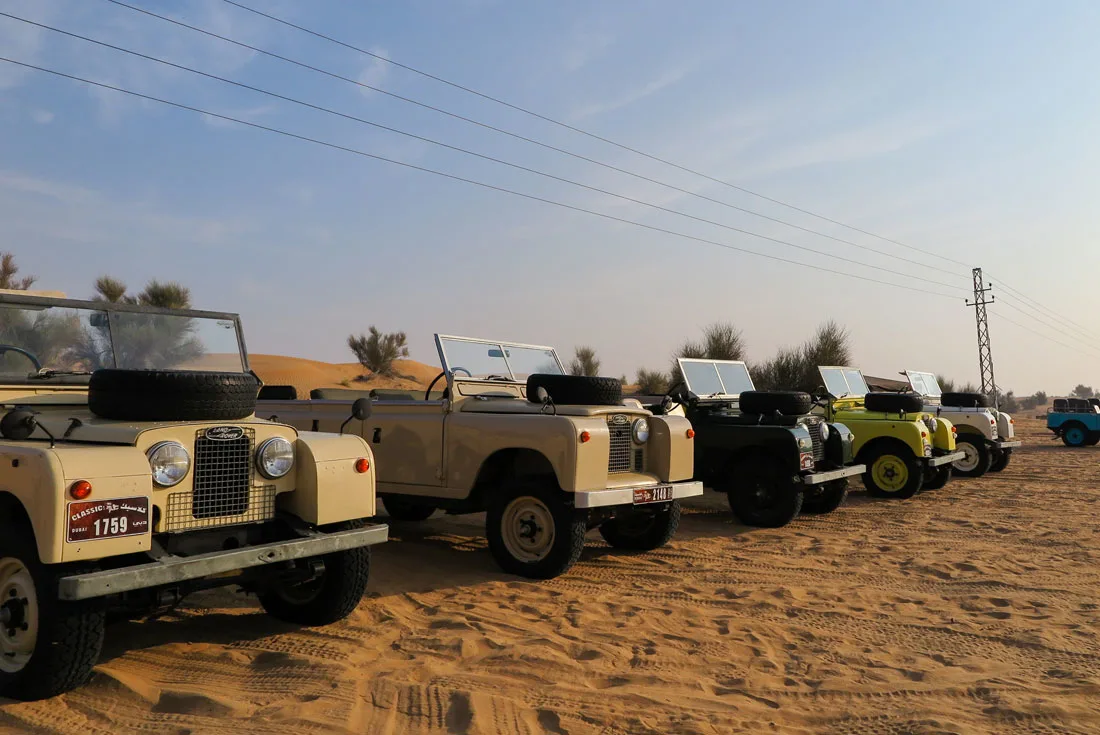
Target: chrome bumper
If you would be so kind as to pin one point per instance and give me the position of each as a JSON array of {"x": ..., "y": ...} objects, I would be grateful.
[
  {"x": 819, "y": 477},
  {"x": 944, "y": 459},
  {"x": 1000, "y": 444},
  {"x": 625, "y": 495},
  {"x": 174, "y": 569}
]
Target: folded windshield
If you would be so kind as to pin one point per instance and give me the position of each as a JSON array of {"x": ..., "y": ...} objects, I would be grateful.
[
  {"x": 42, "y": 340},
  {"x": 715, "y": 377},
  {"x": 925, "y": 383},
  {"x": 488, "y": 359},
  {"x": 843, "y": 381}
]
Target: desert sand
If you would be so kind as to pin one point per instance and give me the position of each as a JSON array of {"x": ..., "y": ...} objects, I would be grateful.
[
  {"x": 973, "y": 609},
  {"x": 306, "y": 375}
]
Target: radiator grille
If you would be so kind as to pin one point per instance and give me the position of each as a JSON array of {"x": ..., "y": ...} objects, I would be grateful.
[
  {"x": 620, "y": 456},
  {"x": 817, "y": 430},
  {"x": 639, "y": 460},
  {"x": 179, "y": 516}
]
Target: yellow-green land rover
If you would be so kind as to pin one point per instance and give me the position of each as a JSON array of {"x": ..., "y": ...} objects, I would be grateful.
[
  {"x": 133, "y": 471},
  {"x": 904, "y": 448}
]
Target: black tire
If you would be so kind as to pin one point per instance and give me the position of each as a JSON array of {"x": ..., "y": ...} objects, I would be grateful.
[
  {"x": 70, "y": 634},
  {"x": 1075, "y": 434},
  {"x": 894, "y": 402},
  {"x": 978, "y": 457},
  {"x": 762, "y": 493},
  {"x": 966, "y": 400},
  {"x": 577, "y": 390},
  {"x": 1093, "y": 440},
  {"x": 1001, "y": 458},
  {"x": 171, "y": 395},
  {"x": 548, "y": 505},
  {"x": 826, "y": 498},
  {"x": 902, "y": 457},
  {"x": 643, "y": 529},
  {"x": 331, "y": 597},
  {"x": 403, "y": 509},
  {"x": 787, "y": 403},
  {"x": 937, "y": 477}
]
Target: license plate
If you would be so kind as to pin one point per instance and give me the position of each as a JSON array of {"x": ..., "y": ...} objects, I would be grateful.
[
  {"x": 659, "y": 494},
  {"x": 99, "y": 519}
]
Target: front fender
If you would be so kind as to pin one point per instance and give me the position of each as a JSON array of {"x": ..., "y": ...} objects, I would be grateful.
[
  {"x": 328, "y": 488},
  {"x": 473, "y": 438},
  {"x": 944, "y": 437},
  {"x": 671, "y": 450}
]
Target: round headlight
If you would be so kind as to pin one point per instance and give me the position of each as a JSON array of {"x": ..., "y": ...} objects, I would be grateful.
[
  {"x": 169, "y": 462},
  {"x": 824, "y": 431},
  {"x": 934, "y": 424},
  {"x": 275, "y": 457},
  {"x": 641, "y": 431}
]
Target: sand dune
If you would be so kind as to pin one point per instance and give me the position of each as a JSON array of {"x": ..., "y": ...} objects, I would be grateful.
[
  {"x": 972, "y": 609},
  {"x": 305, "y": 375}
]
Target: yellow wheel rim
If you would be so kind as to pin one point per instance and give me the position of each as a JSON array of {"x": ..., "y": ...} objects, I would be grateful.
[{"x": 890, "y": 473}]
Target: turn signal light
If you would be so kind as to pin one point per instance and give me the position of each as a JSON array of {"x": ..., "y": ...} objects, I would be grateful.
[
  {"x": 691, "y": 433},
  {"x": 585, "y": 436},
  {"x": 81, "y": 489},
  {"x": 362, "y": 465},
  {"x": 924, "y": 435},
  {"x": 954, "y": 430}
]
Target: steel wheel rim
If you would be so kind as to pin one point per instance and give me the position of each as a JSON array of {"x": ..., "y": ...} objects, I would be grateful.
[
  {"x": 890, "y": 473},
  {"x": 969, "y": 463},
  {"x": 1076, "y": 436},
  {"x": 527, "y": 528},
  {"x": 19, "y": 613}
]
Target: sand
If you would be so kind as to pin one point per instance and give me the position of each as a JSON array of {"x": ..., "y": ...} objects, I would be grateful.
[
  {"x": 972, "y": 609},
  {"x": 305, "y": 375}
]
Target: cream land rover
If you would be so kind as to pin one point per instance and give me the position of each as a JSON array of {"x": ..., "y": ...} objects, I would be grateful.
[{"x": 547, "y": 456}]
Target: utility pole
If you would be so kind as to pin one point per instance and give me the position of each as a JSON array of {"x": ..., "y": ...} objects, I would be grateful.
[{"x": 985, "y": 353}]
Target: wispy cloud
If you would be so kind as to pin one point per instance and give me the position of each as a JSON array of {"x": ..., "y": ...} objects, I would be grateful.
[
  {"x": 584, "y": 46},
  {"x": 42, "y": 117},
  {"x": 248, "y": 114},
  {"x": 664, "y": 80},
  {"x": 376, "y": 72}
]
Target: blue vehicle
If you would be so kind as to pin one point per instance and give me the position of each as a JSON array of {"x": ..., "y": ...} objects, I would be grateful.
[{"x": 1076, "y": 421}]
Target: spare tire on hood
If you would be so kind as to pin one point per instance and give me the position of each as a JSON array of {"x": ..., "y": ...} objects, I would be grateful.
[
  {"x": 171, "y": 395},
  {"x": 894, "y": 402},
  {"x": 966, "y": 400},
  {"x": 576, "y": 390},
  {"x": 785, "y": 402}
]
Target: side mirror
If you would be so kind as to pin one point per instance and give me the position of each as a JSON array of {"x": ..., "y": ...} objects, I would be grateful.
[
  {"x": 18, "y": 425},
  {"x": 360, "y": 411}
]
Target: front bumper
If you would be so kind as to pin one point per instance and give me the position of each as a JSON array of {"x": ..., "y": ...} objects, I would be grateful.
[
  {"x": 819, "y": 477},
  {"x": 944, "y": 459},
  {"x": 1010, "y": 444},
  {"x": 174, "y": 569},
  {"x": 625, "y": 495}
]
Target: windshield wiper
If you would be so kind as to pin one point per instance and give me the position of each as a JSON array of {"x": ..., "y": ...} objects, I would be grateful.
[{"x": 46, "y": 373}]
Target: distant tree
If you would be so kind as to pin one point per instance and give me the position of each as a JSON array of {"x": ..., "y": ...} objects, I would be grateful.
[
  {"x": 1008, "y": 402},
  {"x": 1083, "y": 391},
  {"x": 584, "y": 362},
  {"x": 947, "y": 385},
  {"x": 1040, "y": 398},
  {"x": 8, "y": 279},
  {"x": 795, "y": 368},
  {"x": 721, "y": 341},
  {"x": 1028, "y": 402},
  {"x": 378, "y": 351},
  {"x": 781, "y": 372},
  {"x": 160, "y": 294},
  {"x": 623, "y": 379},
  {"x": 651, "y": 382},
  {"x": 147, "y": 340},
  {"x": 969, "y": 388}
]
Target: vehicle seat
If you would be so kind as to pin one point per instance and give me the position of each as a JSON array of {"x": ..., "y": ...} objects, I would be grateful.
[{"x": 278, "y": 393}]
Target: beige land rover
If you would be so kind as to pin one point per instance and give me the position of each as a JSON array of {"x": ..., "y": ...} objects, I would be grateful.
[
  {"x": 546, "y": 455},
  {"x": 133, "y": 472}
]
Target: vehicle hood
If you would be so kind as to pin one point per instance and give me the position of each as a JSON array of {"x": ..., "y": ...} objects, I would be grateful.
[{"x": 511, "y": 406}]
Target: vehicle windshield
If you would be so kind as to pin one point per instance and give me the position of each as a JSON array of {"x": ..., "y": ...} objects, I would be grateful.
[
  {"x": 925, "y": 384},
  {"x": 843, "y": 382},
  {"x": 715, "y": 377},
  {"x": 488, "y": 359},
  {"x": 36, "y": 341}
]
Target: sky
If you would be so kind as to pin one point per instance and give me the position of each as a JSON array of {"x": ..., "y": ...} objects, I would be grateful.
[{"x": 964, "y": 130}]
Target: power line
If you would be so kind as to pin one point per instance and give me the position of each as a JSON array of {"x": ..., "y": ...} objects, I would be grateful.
[
  {"x": 1044, "y": 336},
  {"x": 454, "y": 177},
  {"x": 1041, "y": 319},
  {"x": 1024, "y": 299},
  {"x": 581, "y": 131},
  {"x": 534, "y": 141},
  {"x": 466, "y": 151}
]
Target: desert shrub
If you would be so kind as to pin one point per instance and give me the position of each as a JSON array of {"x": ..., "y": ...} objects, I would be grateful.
[
  {"x": 1083, "y": 391},
  {"x": 947, "y": 385},
  {"x": 651, "y": 382},
  {"x": 795, "y": 368},
  {"x": 721, "y": 341},
  {"x": 584, "y": 362},
  {"x": 1040, "y": 398},
  {"x": 8, "y": 279},
  {"x": 378, "y": 351}
]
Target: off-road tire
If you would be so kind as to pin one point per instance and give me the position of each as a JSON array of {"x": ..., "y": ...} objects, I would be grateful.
[
  {"x": 787, "y": 403},
  {"x": 401, "y": 509},
  {"x": 70, "y": 634},
  {"x": 1093, "y": 440},
  {"x": 338, "y": 591},
  {"x": 966, "y": 400},
  {"x": 577, "y": 390},
  {"x": 937, "y": 477},
  {"x": 749, "y": 478},
  {"x": 171, "y": 395},
  {"x": 1001, "y": 459},
  {"x": 980, "y": 448},
  {"x": 894, "y": 402},
  {"x": 914, "y": 481},
  {"x": 1079, "y": 436},
  {"x": 827, "y": 498},
  {"x": 642, "y": 530},
  {"x": 570, "y": 527}
]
